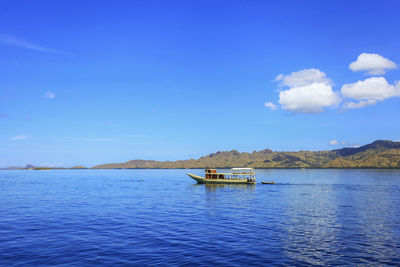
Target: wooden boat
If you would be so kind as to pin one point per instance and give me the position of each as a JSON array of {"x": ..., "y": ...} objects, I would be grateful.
[
  {"x": 272, "y": 182},
  {"x": 236, "y": 176}
]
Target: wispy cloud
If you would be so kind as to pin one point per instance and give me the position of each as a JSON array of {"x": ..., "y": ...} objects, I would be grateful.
[
  {"x": 9, "y": 40},
  {"x": 19, "y": 137},
  {"x": 49, "y": 94},
  {"x": 270, "y": 105}
]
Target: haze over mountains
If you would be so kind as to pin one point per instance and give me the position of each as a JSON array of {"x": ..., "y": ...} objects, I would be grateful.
[{"x": 379, "y": 154}]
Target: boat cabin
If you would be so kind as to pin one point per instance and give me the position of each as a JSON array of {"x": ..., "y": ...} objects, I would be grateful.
[
  {"x": 235, "y": 174},
  {"x": 212, "y": 174}
]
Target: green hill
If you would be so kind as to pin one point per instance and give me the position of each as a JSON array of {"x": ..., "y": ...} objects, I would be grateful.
[{"x": 379, "y": 154}]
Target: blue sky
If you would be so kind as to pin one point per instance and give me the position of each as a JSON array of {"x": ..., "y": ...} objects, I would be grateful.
[{"x": 90, "y": 82}]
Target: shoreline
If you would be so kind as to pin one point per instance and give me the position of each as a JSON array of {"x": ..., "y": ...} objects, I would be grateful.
[{"x": 274, "y": 168}]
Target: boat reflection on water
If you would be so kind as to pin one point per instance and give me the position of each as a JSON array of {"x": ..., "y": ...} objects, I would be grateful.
[
  {"x": 216, "y": 187},
  {"x": 236, "y": 198}
]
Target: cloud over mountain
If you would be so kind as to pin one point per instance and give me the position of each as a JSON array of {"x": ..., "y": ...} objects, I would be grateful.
[{"x": 333, "y": 142}]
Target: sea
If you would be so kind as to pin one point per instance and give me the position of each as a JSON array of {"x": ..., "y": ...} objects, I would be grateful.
[{"x": 163, "y": 218}]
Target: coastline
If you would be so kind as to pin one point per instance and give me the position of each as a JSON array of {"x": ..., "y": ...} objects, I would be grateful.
[{"x": 268, "y": 168}]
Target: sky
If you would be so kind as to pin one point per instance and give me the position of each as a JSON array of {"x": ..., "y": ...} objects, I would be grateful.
[{"x": 91, "y": 82}]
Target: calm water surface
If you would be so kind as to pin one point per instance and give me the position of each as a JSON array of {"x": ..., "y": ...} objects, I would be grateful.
[{"x": 148, "y": 217}]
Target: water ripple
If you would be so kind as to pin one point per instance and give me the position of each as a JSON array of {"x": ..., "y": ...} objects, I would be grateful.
[{"x": 159, "y": 217}]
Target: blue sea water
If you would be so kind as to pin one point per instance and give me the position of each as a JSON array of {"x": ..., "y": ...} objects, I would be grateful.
[{"x": 161, "y": 217}]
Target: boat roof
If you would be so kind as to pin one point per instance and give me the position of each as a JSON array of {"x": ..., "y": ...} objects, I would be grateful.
[{"x": 242, "y": 169}]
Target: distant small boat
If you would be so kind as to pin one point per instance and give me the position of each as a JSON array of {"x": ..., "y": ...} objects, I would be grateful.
[
  {"x": 272, "y": 182},
  {"x": 236, "y": 176}
]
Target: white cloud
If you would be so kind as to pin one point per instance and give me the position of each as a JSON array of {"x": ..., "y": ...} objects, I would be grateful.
[
  {"x": 270, "y": 105},
  {"x": 373, "y": 64},
  {"x": 334, "y": 142},
  {"x": 369, "y": 92},
  {"x": 310, "y": 90},
  {"x": 9, "y": 40},
  {"x": 372, "y": 88},
  {"x": 19, "y": 137},
  {"x": 303, "y": 78},
  {"x": 49, "y": 94},
  {"x": 309, "y": 98}
]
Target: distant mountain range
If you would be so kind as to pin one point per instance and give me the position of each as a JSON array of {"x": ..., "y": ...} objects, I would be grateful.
[
  {"x": 379, "y": 154},
  {"x": 383, "y": 154}
]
